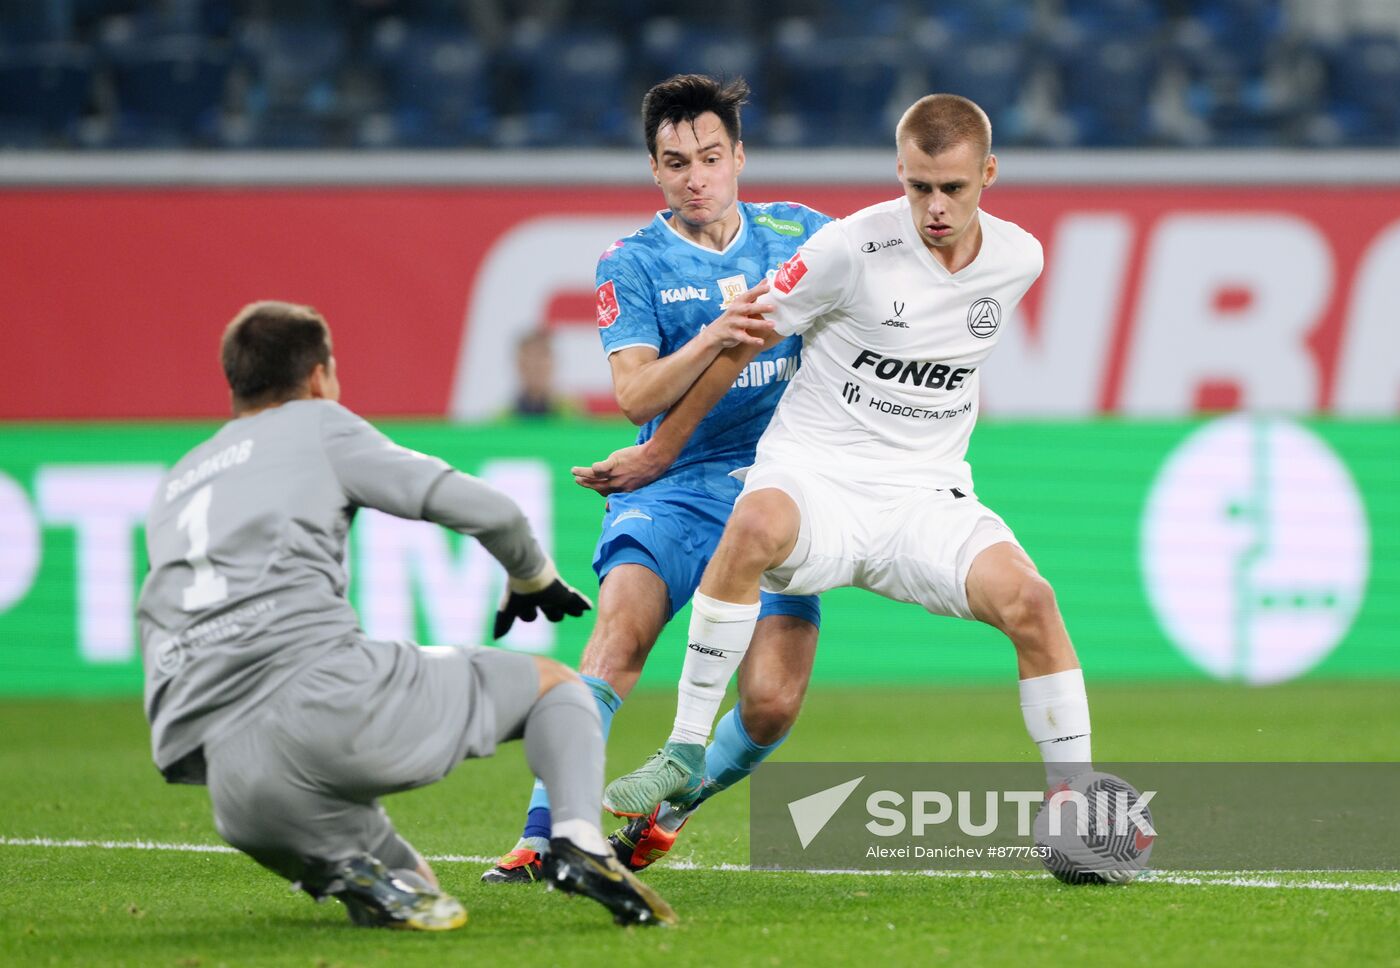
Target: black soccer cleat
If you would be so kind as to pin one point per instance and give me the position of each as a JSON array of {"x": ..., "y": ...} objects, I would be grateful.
[
  {"x": 375, "y": 897},
  {"x": 571, "y": 868}
]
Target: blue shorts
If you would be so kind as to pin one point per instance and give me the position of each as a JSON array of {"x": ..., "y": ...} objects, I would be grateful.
[{"x": 673, "y": 531}]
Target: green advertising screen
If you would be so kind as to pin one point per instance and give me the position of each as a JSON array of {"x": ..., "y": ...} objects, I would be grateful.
[{"x": 1242, "y": 548}]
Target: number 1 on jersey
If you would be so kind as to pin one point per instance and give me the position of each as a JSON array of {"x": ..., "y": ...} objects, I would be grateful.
[{"x": 209, "y": 587}]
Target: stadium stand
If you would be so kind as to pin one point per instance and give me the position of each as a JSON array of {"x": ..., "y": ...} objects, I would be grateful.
[{"x": 537, "y": 73}]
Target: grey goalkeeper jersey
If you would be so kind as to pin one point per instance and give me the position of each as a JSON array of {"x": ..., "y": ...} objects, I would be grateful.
[{"x": 246, "y": 539}]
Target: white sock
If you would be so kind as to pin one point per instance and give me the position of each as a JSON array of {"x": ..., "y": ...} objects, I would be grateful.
[
  {"x": 719, "y": 637},
  {"x": 1056, "y": 711},
  {"x": 584, "y": 835},
  {"x": 670, "y": 818}
]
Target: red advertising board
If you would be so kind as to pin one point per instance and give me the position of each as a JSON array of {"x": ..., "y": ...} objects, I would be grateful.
[{"x": 1155, "y": 300}]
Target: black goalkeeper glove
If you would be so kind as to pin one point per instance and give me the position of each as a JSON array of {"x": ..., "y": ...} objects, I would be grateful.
[{"x": 546, "y": 592}]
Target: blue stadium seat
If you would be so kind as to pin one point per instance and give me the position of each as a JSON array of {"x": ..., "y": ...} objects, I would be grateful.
[
  {"x": 27, "y": 23},
  {"x": 1229, "y": 50},
  {"x": 323, "y": 73},
  {"x": 986, "y": 20},
  {"x": 573, "y": 87},
  {"x": 864, "y": 18},
  {"x": 1106, "y": 54},
  {"x": 1364, "y": 74},
  {"x": 437, "y": 80},
  {"x": 1106, "y": 88},
  {"x": 296, "y": 63},
  {"x": 44, "y": 91},
  {"x": 990, "y": 72},
  {"x": 668, "y": 46},
  {"x": 446, "y": 14},
  {"x": 835, "y": 90},
  {"x": 171, "y": 91},
  {"x": 1231, "y": 38},
  {"x": 1244, "y": 31},
  {"x": 1120, "y": 20},
  {"x": 295, "y": 69}
]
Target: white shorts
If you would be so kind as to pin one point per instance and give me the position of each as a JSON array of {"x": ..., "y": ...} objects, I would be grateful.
[{"x": 910, "y": 544}]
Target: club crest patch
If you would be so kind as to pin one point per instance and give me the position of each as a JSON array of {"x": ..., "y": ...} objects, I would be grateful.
[
  {"x": 984, "y": 318},
  {"x": 729, "y": 287}
]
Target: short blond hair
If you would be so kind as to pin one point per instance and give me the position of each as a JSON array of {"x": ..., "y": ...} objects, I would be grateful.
[{"x": 937, "y": 122}]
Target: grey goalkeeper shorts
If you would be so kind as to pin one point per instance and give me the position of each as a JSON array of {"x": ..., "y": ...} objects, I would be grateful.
[{"x": 296, "y": 787}]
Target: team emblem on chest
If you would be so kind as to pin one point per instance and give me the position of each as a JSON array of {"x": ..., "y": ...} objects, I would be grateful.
[
  {"x": 729, "y": 287},
  {"x": 984, "y": 318}
]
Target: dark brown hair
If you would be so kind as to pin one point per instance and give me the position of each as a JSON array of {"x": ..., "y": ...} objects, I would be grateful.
[
  {"x": 685, "y": 97},
  {"x": 269, "y": 350}
]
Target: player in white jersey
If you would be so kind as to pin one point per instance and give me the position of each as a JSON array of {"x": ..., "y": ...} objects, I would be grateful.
[{"x": 861, "y": 477}]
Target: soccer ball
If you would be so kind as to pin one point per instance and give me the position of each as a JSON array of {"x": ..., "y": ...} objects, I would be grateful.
[{"x": 1093, "y": 830}]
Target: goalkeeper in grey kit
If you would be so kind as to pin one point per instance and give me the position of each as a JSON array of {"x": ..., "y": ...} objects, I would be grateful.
[{"x": 261, "y": 685}]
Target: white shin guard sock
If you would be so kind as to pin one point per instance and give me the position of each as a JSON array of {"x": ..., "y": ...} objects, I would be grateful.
[
  {"x": 719, "y": 637},
  {"x": 1056, "y": 711}
]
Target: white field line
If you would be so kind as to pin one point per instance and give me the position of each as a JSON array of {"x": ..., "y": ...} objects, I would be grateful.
[{"x": 1184, "y": 878}]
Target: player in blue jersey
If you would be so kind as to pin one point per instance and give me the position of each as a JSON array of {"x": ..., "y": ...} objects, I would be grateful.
[{"x": 671, "y": 298}]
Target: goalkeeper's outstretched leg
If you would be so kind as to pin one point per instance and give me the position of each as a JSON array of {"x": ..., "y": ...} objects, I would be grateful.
[{"x": 633, "y": 607}]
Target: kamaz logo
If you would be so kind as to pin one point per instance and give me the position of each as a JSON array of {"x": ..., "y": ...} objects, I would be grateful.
[
  {"x": 935, "y": 376},
  {"x": 682, "y": 294},
  {"x": 851, "y": 391}
]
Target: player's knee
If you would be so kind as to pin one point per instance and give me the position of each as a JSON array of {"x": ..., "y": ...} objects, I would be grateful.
[
  {"x": 755, "y": 532},
  {"x": 615, "y": 650},
  {"x": 1032, "y": 608}
]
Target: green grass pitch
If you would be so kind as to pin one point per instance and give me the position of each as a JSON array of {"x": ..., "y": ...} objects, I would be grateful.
[{"x": 79, "y": 771}]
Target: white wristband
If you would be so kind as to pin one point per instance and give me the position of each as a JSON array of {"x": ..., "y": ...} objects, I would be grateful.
[{"x": 538, "y": 582}]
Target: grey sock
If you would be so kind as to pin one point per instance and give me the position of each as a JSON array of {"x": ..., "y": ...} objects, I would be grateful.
[{"x": 564, "y": 747}]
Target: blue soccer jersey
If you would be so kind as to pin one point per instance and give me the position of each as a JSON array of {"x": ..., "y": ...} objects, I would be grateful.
[{"x": 658, "y": 289}]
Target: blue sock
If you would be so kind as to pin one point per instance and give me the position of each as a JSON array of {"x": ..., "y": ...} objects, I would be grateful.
[
  {"x": 732, "y": 755},
  {"x": 537, "y": 821}
]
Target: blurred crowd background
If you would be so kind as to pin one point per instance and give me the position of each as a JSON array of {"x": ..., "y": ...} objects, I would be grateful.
[{"x": 105, "y": 74}]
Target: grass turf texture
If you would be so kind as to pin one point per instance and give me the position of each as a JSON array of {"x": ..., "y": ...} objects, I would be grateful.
[{"x": 80, "y": 770}]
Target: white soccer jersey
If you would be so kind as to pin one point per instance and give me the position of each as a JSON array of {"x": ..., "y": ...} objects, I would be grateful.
[{"x": 892, "y": 344}]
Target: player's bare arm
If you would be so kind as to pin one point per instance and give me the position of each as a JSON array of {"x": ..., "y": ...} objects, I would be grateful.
[
  {"x": 639, "y": 464},
  {"x": 647, "y": 384}
]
